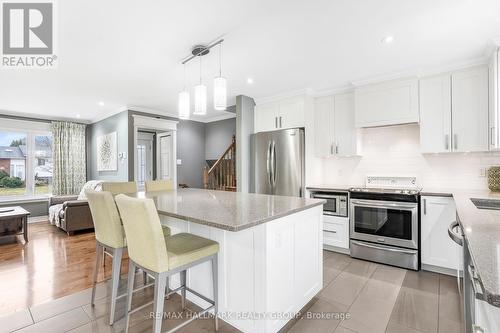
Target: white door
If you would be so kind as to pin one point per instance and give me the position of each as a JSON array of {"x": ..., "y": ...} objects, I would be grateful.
[
  {"x": 437, "y": 247},
  {"x": 323, "y": 126},
  {"x": 291, "y": 114},
  {"x": 165, "y": 156},
  {"x": 144, "y": 160},
  {"x": 435, "y": 114},
  {"x": 345, "y": 131},
  {"x": 470, "y": 110},
  {"x": 266, "y": 117}
]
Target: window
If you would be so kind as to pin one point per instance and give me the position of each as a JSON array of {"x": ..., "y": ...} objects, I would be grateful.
[
  {"x": 12, "y": 163},
  {"x": 25, "y": 159}
]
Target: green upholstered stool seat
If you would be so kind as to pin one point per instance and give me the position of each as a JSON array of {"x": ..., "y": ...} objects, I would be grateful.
[{"x": 186, "y": 248}]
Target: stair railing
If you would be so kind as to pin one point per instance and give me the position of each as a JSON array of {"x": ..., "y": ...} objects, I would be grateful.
[{"x": 222, "y": 175}]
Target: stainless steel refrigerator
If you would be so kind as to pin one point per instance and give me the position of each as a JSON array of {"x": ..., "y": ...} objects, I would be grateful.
[{"x": 278, "y": 162}]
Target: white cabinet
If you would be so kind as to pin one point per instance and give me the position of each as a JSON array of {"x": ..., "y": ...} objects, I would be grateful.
[
  {"x": 389, "y": 103},
  {"x": 435, "y": 114},
  {"x": 494, "y": 101},
  {"x": 469, "y": 95},
  {"x": 287, "y": 113},
  {"x": 336, "y": 231},
  {"x": 487, "y": 317},
  {"x": 454, "y": 112},
  {"x": 437, "y": 247},
  {"x": 334, "y": 129},
  {"x": 323, "y": 126}
]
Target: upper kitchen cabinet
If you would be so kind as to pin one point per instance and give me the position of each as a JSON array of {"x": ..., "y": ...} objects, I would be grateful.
[
  {"x": 334, "y": 128},
  {"x": 283, "y": 114},
  {"x": 435, "y": 114},
  {"x": 389, "y": 103},
  {"x": 494, "y": 100},
  {"x": 469, "y": 98},
  {"x": 454, "y": 112}
]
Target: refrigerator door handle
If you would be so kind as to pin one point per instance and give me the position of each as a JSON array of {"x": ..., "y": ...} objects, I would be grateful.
[
  {"x": 268, "y": 164},
  {"x": 273, "y": 164}
]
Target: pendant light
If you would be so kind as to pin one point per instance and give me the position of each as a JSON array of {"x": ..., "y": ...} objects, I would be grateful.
[
  {"x": 200, "y": 98},
  {"x": 220, "y": 87},
  {"x": 184, "y": 103}
]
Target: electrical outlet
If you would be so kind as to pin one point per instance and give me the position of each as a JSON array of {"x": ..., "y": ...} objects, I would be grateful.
[
  {"x": 179, "y": 162},
  {"x": 483, "y": 172}
]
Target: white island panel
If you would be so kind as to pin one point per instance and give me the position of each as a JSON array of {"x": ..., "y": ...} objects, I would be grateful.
[{"x": 267, "y": 272}]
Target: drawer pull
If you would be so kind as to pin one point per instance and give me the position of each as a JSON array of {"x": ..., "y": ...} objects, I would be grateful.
[{"x": 333, "y": 232}]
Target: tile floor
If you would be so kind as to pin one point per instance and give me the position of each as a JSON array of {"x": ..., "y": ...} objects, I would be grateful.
[{"x": 358, "y": 296}]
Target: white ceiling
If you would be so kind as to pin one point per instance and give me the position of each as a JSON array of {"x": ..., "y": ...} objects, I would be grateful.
[{"x": 127, "y": 53}]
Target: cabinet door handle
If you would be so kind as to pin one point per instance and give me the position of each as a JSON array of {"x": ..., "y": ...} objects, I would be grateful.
[
  {"x": 280, "y": 123},
  {"x": 447, "y": 142},
  {"x": 492, "y": 137},
  {"x": 336, "y": 148},
  {"x": 331, "y": 149},
  {"x": 330, "y": 231},
  {"x": 425, "y": 206},
  {"x": 455, "y": 141},
  {"x": 275, "y": 122}
]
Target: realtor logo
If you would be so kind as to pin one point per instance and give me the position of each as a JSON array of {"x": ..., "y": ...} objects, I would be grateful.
[{"x": 28, "y": 34}]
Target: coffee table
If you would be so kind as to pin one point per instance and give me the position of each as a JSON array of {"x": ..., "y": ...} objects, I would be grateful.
[{"x": 10, "y": 214}]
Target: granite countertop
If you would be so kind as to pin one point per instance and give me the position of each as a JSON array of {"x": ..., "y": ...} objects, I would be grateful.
[
  {"x": 482, "y": 230},
  {"x": 232, "y": 211}
]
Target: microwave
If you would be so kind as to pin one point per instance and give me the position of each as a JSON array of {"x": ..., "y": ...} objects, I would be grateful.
[{"x": 336, "y": 203}]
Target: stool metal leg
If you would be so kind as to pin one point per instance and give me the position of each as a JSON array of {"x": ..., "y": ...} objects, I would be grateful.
[
  {"x": 96, "y": 272},
  {"x": 183, "y": 291},
  {"x": 215, "y": 280},
  {"x": 115, "y": 280},
  {"x": 160, "y": 284},
  {"x": 130, "y": 289}
]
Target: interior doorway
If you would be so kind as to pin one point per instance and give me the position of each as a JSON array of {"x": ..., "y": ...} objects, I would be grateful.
[
  {"x": 155, "y": 150},
  {"x": 145, "y": 157}
]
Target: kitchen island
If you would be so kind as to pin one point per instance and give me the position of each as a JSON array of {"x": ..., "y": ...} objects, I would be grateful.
[{"x": 270, "y": 259}]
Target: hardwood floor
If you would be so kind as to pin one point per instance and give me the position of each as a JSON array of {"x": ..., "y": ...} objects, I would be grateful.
[{"x": 50, "y": 266}]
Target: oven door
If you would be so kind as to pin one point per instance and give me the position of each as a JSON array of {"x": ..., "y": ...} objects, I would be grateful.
[{"x": 385, "y": 222}]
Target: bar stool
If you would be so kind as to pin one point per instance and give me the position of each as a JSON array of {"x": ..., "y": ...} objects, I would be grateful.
[
  {"x": 162, "y": 257},
  {"x": 109, "y": 234},
  {"x": 127, "y": 188},
  {"x": 159, "y": 185}
]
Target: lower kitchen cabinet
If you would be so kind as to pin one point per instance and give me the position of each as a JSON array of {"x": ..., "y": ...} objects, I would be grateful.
[
  {"x": 336, "y": 231},
  {"x": 487, "y": 318},
  {"x": 438, "y": 250}
]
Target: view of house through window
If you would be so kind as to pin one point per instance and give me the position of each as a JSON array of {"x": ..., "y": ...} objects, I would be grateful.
[{"x": 25, "y": 163}]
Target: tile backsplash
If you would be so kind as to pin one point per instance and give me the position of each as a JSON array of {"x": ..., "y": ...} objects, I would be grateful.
[{"x": 395, "y": 150}]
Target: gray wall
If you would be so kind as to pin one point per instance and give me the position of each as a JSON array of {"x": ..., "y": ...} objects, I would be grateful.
[
  {"x": 244, "y": 129},
  {"x": 191, "y": 150},
  {"x": 218, "y": 136},
  {"x": 118, "y": 123}
]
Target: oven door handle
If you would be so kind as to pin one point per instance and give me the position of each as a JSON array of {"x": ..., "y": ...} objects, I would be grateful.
[
  {"x": 384, "y": 248},
  {"x": 325, "y": 196},
  {"x": 387, "y": 204}
]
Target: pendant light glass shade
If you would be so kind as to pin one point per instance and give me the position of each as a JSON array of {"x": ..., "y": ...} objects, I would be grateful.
[
  {"x": 200, "y": 100},
  {"x": 220, "y": 93},
  {"x": 184, "y": 106}
]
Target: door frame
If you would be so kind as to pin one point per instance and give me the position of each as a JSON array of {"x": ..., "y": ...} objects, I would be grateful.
[{"x": 156, "y": 124}]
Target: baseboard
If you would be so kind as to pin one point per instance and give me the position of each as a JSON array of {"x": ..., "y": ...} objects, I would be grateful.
[
  {"x": 441, "y": 270},
  {"x": 336, "y": 249}
]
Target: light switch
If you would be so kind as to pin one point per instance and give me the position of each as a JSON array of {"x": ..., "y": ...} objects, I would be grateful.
[{"x": 179, "y": 162}]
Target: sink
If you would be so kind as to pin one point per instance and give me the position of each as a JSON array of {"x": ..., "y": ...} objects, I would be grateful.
[{"x": 486, "y": 203}]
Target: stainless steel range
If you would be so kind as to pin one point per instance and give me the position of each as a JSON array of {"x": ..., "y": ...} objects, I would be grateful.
[{"x": 384, "y": 221}]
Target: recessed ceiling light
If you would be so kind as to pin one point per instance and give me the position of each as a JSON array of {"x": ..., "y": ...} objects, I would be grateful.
[
  {"x": 78, "y": 116},
  {"x": 388, "y": 39},
  {"x": 101, "y": 103},
  {"x": 249, "y": 80}
]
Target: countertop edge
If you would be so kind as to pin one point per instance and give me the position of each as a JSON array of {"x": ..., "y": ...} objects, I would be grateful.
[{"x": 246, "y": 226}]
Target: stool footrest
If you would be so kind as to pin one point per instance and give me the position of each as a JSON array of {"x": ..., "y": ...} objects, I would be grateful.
[{"x": 196, "y": 316}]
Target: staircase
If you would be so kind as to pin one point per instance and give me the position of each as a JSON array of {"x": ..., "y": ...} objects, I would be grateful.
[{"x": 221, "y": 174}]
